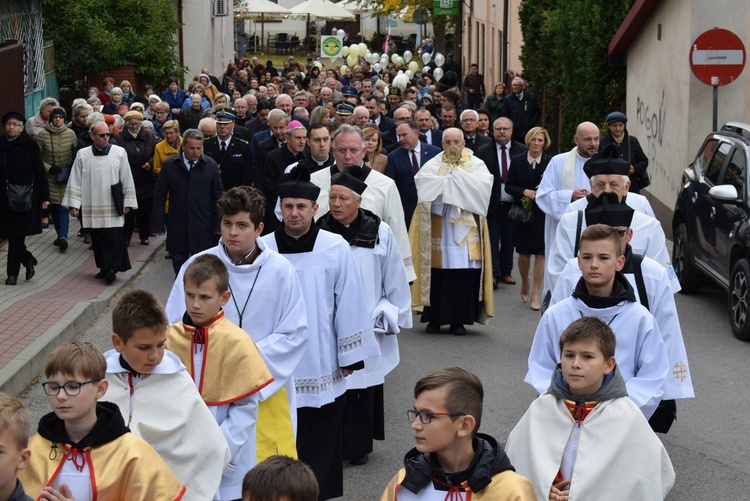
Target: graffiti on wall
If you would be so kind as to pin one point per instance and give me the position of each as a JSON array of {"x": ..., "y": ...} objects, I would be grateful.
[{"x": 652, "y": 119}]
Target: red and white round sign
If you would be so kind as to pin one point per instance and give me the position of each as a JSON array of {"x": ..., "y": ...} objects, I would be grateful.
[{"x": 717, "y": 57}]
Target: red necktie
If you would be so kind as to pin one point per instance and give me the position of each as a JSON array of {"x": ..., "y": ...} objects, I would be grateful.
[
  {"x": 414, "y": 163},
  {"x": 505, "y": 164}
]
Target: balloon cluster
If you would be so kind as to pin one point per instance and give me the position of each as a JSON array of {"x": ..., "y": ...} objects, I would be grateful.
[{"x": 439, "y": 61}]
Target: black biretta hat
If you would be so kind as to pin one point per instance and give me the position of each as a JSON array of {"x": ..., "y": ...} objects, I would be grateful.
[
  {"x": 296, "y": 184},
  {"x": 607, "y": 161},
  {"x": 607, "y": 209},
  {"x": 350, "y": 179}
]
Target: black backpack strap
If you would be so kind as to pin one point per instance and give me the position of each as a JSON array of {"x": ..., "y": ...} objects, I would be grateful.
[
  {"x": 578, "y": 233},
  {"x": 637, "y": 261}
]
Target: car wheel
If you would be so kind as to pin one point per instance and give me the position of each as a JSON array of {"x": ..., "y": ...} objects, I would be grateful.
[
  {"x": 739, "y": 316},
  {"x": 690, "y": 278}
]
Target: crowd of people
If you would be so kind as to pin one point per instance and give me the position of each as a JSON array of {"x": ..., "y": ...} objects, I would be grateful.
[{"x": 308, "y": 214}]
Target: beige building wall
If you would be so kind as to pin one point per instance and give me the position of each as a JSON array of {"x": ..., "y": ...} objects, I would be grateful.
[
  {"x": 669, "y": 110},
  {"x": 207, "y": 41},
  {"x": 482, "y": 39}
]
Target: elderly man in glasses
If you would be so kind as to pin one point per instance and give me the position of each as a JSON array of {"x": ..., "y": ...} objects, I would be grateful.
[{"x": 107, "y": 194}]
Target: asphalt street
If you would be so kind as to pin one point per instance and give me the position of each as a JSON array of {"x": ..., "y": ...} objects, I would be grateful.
[{"x": 709, "y": 444}]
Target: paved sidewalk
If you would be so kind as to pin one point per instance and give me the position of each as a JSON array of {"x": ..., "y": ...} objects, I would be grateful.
[{"x": 57, "y": 304}]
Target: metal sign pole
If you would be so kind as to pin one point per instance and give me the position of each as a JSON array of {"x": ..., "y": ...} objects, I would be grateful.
[{"x": 716, "y": 108}]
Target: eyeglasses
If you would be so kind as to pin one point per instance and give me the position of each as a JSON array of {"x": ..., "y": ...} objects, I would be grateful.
[
  {"x": 13, "y": 124},
  {"x": 71, "y": 388},
  {"x": 465, "y": 120},
  {"x": 426, "y": 417},
  {"x": 106, "y": 134}
]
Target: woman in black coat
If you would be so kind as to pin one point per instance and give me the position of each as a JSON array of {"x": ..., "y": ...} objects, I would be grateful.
[
  {"x": 20, "y": 164},
  {"x": 630, "y": 150},
  {"x": 524, "y": 175}
]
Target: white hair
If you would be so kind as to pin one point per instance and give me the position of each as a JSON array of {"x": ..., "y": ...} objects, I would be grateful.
[{"x": 469, "y": 112}]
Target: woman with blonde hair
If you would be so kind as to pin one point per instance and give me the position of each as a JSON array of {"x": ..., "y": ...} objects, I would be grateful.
[
  {"x": 373, "y": 146},
  {"x": 320, "y": 114},
  {"x": 524, "y": 175}
]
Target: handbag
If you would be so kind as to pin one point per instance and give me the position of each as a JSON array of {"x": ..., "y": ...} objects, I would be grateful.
[
  {"x": 118, "y": 198},
  {"x": 63, "y": 174},
  {"x": 18, "y": 197},
  {"x": 518, "y": 215}
]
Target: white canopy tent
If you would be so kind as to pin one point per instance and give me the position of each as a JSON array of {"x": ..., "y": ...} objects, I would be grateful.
[{"x": 259, "y": 9}]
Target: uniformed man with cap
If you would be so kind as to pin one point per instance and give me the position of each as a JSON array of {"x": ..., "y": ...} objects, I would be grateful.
[
  {"x": 344, "y": 112},
  {"x": 231, "y": 153}
]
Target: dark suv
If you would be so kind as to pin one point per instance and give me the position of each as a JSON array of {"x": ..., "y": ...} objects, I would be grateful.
[{"x": 710, "y": 224}]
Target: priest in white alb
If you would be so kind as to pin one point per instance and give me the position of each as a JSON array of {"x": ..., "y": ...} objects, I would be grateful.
[
  {"x": 450, "y": 239},
  {"x": 383, "y": 198},
  {"x": 564, "y": 182},
  {"x": 388, "y": 300},
  {"x": 341, "y": 337}
]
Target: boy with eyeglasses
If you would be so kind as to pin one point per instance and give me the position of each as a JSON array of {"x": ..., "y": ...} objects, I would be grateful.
[
  {"x": 451, "y": 460},
  {"x": 83, "y": 450}
]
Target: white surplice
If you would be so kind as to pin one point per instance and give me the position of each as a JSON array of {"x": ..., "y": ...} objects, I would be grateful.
[
  {"x": 619, "y": 456},
  {"x": 165, "y": 409},
  {"x": 388, "y": 299},
  {"x": 554, "y": 194},
  {"x": 640, "y": 353},
  {"x": 267, "y": 303},
  {"x": 339, "y": 326},
  {"x": 382, "y": 199},
  {"x": 661, "y": 304},
  {"x": 648, "y": 240}
]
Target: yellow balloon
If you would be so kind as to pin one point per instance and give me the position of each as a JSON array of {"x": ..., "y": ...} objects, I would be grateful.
[
  {"x": 354, "y": 50},
  {"x": 413, "y": 66},
  {"x": 345, "y": 51},
  {"x": 343, "y": 69},
  {"x": 351, "y": 60},
  {"x": 362, "y": 49},
  {"x": 394, "y": 58}
]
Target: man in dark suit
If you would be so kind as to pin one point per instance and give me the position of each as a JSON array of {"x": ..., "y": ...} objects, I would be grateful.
[
  {"x": 258, "y": 123},
  {"x": 231, "y": 153},
  {"x": 522, "y": 108},
  {"x": 497, "y": 156},
  {"x": 405, "y": 161},
  {"x": 275, "y": 164},
  {"x": 266, "y": 142},
  {"x": 390, "y": 139},
  {"x": 469, "y": 122},
  {"x": 426, "y": 133},
  {"x": 385, "y": 124}
]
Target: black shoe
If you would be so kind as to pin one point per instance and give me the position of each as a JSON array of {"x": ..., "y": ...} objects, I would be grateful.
[
  {"x": 56, "y": 242},
  {"x": 152, "y": 234},
  {"x": 110, "y": 277},
  {"x": 359, "y": 461},
  {"x": 11, "y": 280},
  {"x": 144, "y": 241},
  {"x": 432, "y": 328},
  {"x": 63, "y": 244},
  {"x": 30, "y": 272},
  {"x": 45, "y": 226},
  {"x": 458, "y": 330},
  {"x": 101, "y": 274},
  {"x": 168, "y": 256}
]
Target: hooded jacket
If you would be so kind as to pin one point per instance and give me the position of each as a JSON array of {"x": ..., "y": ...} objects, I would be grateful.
[
  {"x": 122, "y": 466},
  {"x": 490, "y": 475}
]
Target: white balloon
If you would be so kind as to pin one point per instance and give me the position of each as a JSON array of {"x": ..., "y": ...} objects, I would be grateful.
[
  {"x": 376, "y": 67},
  {"x": 438, "y": 73},
  {"x": 409, "y": 73},
  {"x": 375, "y": 57},
  {"x": 340, "y": 33},
  {"x": 439, "y": 59},
  {"x": 384, "y": 60},
  {"x": 426, "y": 57},
  {"x": 407, "y": 55},
  {"x": 400, "y": 61}
]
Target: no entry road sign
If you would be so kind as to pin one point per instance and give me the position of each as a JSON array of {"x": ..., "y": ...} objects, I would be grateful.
[{"x": 717, "y": 57}]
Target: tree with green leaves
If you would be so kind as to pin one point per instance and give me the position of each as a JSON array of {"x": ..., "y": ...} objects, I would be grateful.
[
  {"x": 93, "y": 35},
  {"x": 565, "y": 57}
]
